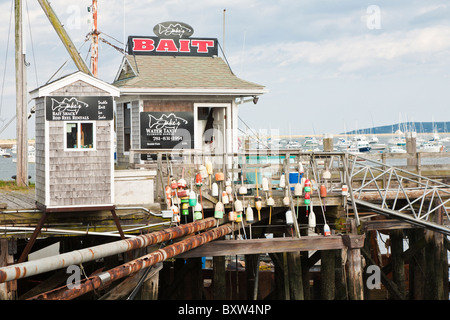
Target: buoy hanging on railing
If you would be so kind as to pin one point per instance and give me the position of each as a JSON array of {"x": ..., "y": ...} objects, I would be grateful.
[
  {"x": 238, "y": 206},
  {"x": 286, "y": 201},
  {"x": 344, "y": 190},
  {"x": 258, "y": 202},
  {"x": 225, "y": 198},
  {"x": 300, "y": 168},
  {"x": 228, "y": 188},
  {"x": 307, "y": 186},
  {"x": 232, "y": 215},
  {"x": 326, "y": 174},
  {"x": 203, "y": 172},
  {"x": 215, "y": 190},
  {"x": 289, "y": 218},
  {"x": 323, "y": 191},
  {"x": 198, "y": 211},
  {"x": 270, "y": 203},
  {"x": 219, "y": 176},
  {"x": 249, "y": 214},
  {"x": 282, "y": 181},
  {"x": 326, "y": 230},
  {"x": 307, "y": 201},
  {"x": 219, "y": 210},
  {"x": 298, "y": 189},
  {"x": 198, "y": 180},
  {"x": 209, "y": 171},
  {"x": 182, "y": 181},
  {"x": 265, "y": 184},
  {"x": 174, "y": 185},
  {"x": 185, "y": 206},
  {"x": 192, "y": 199},
  {"x": 168, "y": 191},
  {"x": 311, "y": 221}
]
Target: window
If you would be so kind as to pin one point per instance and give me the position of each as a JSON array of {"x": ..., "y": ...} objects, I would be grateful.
[
  {"x": 126, "y": 127},
  {"x": 80, "y": 135}
]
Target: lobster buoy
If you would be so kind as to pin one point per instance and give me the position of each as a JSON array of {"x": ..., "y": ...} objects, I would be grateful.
[
  {"x": 249, "y": 214},
  {"x": 282, "y": 181},
  {"x": 232, "y": 215},
  {"x": 168, "y": 192},
  {"x": 344, "y": 190},
  {"x": 198, "y": 211},
  {"x": 192, "y": 199},
  {"x": 270, "y": 202},
  {"x": 242, "y": 190},
  {"x": 238, "y": 216},
  {"x": 289, "y": 218},
  {"x": 203, "y": 172},
  {"x": 215, "y": 190},
  {"x": 225, "y": 198},
  {"x": 265, "y": 184},
  {"x": 307, "y": 186},
  {"x": 312, "y": 220},
  {"x": 286, "y": 201},
  {"x": 307, "y": 198},
  {"x": 326, "y": 174},
  {"x": 174, "y": 185},
  {"x": 298, "y": 190},
  {"x": 218, "y": 210},
  {"x": 209, "y": 169},
  {"x": 326, "y": 230},
  {"x": 323, "y": 191},
  {"x": 185, "y": 206},
  {"x": 198, "y": 180},
  {"x": 238, "y": 206},
  {"x": 258, "y": 206},
  {"x": 300, "y": 168},
  {"x": 219, "y": 176},
  {"x": 228, "y": 188},
  {"x": 175, "y": 210}
]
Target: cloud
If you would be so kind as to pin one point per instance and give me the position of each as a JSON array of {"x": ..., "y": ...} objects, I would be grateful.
[{"x": 352, "y": 54}]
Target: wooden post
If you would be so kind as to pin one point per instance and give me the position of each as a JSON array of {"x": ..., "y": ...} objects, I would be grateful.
[
  {"x": 327, "y": 275},
  {"x": 295, "y": 276},
  {"x": 219, "y": 284},
  {"x": 354, "y": 270},
  {"x": 252, "y": 275},
  {"x": 416, "y": 267},
  {"x": 21, "y": 102},
  {"x": 8, "y": 290},
  {"x": 398, "y": 264},
  {"x": 436, "y": 261}
]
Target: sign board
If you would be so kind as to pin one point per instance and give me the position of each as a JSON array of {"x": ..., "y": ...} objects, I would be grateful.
[
  {"x": 167, "y": 130},
  {"x": 200, "y": 47},
  {"x": 79, "y": 108},
  {"x": 173, "y": 29}
]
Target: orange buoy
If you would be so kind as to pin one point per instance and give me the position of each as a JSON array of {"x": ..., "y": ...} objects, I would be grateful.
[{"x": 323, "y": 191}]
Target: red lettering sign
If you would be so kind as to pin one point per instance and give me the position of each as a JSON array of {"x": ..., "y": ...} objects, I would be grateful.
[
  {"x": 142, "y": 44},
  {"x": 167, "y": 45},
  {"x": 202, "y": 45}
]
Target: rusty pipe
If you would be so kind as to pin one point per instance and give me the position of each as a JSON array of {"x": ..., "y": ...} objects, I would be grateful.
[
  {"x": 31, "y": 268},
  {"x": 106, "y": 278}
]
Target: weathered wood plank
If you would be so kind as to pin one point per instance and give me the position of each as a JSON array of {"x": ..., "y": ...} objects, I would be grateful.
[{"x": 255, "y": 246}]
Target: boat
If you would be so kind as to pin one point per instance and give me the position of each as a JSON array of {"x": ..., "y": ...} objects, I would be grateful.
[
  {"x": 396, "y": 149},
  {"x": 375, "y": 145},
  {"x": 360, "y": 143},
  {"x": 430, "y": 147},
  {"x": 4, "y": 153},
  {"x": 343, "y": 143},
  {"x": 310, "y": 143}
]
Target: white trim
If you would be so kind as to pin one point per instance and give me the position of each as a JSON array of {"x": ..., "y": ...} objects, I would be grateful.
[
  {"x": 228, "y": 123},
  {"x": 81, "y": 206},
  {"x": 189, "y": 91},
  {"x": 65, "y": 81},
  {"x": 47, "y": 160},
  {"x": 124, "y": 60},
  {"x": 111, "y": 129}
]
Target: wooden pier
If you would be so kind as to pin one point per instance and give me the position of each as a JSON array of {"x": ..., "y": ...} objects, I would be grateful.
[{"x": 261, "y": 259}]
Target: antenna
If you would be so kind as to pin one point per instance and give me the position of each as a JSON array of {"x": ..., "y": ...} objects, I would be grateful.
[{"x": 223, "y": 40}]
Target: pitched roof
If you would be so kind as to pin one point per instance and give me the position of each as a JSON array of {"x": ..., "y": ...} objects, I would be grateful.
[{"x": 169, "y": 73}]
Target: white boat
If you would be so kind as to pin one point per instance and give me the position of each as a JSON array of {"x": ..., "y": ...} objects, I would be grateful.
[
  {"x": 396, "y": 149},
  {"x": 430, "y": 147},
  {"x": 343, "y": 143},
  {"x": 361, "y": 143},
  {"x": 4, "y": 153},
  {"x": 310, "y": 143}
]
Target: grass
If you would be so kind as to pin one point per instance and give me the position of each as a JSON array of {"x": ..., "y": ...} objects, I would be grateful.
[{"x": 11, "y": 185}]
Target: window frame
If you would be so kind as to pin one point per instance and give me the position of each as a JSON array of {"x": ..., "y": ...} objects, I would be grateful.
[{"x": 78, "y": 148}]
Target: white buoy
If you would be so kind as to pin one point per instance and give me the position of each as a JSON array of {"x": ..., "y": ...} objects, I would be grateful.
[
  {"x": 289, "y": 218},
  {"x": 218, "y": 210},
  {"x": 265, "y": 184},
  {"x": 238, "y": 206},
  {"x": 225, "y": 198},
  {"x": 286, "y": 201},
  {"x": 298, "y": 190},
  {"x": 215, "y": 190},
  {"x": 326, "y": 230},
  {"x": 203, "y": 172},
  {"x": 344, "y": 190},
  {"x": 282, "y": 181},
  {"x": 198, "y": 211},
  {"x": 249, "y": 214}
]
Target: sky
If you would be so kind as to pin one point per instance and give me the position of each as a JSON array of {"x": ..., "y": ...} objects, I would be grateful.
[{"x": 328, "y": 66}]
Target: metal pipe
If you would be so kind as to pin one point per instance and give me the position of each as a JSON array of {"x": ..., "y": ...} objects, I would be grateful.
[
  {"x": 106, "y": 278},
  {"x": 31, "y": 268}
]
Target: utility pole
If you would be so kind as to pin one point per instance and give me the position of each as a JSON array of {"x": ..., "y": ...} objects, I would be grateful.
[
  {"x": 21, "y": 101},
  {"x": 94, "y": 45}
]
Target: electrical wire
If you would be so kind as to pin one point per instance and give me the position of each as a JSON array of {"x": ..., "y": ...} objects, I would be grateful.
[{"x": 6, "y": 56}]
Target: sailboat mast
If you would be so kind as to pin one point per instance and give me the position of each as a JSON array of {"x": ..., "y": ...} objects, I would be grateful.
[
  {"x": 21, "y": 100},
  {"x": 94, "y": 45}
]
